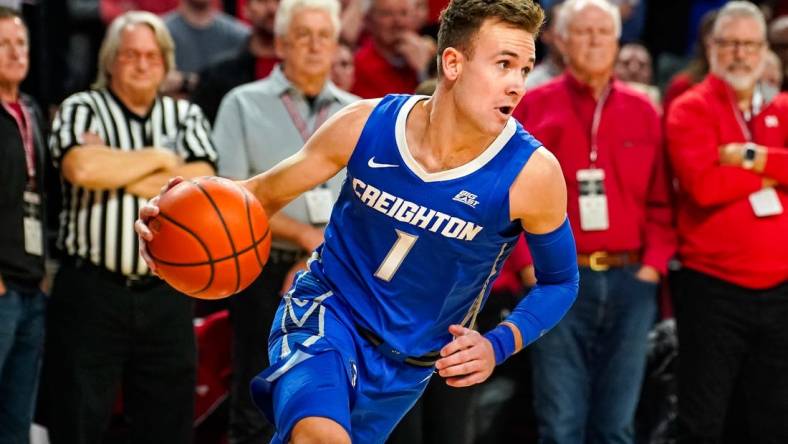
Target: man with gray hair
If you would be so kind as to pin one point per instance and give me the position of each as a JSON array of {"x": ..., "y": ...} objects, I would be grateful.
[
  {"x": 110, "y": 321},
  {"x": 607, "y": 138},
  {"x": 23, "y": 202},
  {"x": 726, "y": 138},
  {"x": 257, "y": 126}
]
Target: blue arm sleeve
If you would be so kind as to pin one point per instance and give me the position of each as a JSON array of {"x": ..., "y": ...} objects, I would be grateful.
[{"x": 557, "y": 277}]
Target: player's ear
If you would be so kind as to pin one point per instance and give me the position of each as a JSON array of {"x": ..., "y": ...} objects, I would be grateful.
[{"x": 451, "y": 63}]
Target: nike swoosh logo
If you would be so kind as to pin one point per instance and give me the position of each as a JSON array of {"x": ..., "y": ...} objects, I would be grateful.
[{"x": 373, "y": 164}]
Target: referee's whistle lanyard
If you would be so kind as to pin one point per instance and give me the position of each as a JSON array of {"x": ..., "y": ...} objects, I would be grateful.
[
  {"x": 593, "y": 153},
  {"x": 741, "y": 119},
  {"x": 24, "y": 124}
]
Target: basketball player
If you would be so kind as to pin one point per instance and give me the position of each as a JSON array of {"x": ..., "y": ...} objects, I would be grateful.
[{"x": 437, "y": 191}]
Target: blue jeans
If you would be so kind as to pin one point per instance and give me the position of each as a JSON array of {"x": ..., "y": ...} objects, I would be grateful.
[
  {"x": 588, "y": 370},
  {"x": 21, "y": 346}
]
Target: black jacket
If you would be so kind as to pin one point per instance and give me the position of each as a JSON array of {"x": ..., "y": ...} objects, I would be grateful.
[{"x": 16, "y": 266}]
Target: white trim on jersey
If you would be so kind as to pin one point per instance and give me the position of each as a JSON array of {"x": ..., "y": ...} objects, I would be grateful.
[{"x": 463, "y": 170}]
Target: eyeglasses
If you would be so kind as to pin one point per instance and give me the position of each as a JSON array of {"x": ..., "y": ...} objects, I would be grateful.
[
  {"x": 132, "y": 56},
  {"x": 749, "y": 46},
  {"x": 305, "y": 38}
]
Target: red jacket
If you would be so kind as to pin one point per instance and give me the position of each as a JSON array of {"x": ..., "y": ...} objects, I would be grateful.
[
  {"x": 630, "y": 151},
  {"x": 719, "y": 233},
  {"x": 376, "y": 77}
]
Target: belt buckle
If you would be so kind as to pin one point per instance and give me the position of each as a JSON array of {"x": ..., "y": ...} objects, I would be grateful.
[{"x": 593, "y": 261}]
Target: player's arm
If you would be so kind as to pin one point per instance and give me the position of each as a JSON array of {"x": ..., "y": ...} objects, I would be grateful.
[
  {"x": 323, "y": 156},
  {"x": 538, "y": 200}
]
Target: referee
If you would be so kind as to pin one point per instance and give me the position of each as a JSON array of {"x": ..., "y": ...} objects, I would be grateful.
[{"x": 111, "y": 323}]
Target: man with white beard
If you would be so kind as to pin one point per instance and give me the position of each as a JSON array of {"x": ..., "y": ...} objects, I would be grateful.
[{"x": 727, "y": 140}]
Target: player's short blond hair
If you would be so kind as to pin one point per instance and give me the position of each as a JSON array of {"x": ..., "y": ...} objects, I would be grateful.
[
  {"x": 462, "y": 19},
  {"x": 111, "y": 43}
]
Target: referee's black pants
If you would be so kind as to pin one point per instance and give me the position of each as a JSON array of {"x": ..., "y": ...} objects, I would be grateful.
[{"x": 101, "y": 334}]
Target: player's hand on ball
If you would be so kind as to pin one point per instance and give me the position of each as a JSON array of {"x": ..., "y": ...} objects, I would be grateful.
[
  {"x": 467, "y": 360},
  {"x": 148, "y": 212}
]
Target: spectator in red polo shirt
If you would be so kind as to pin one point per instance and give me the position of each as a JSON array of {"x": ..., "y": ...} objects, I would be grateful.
[
  {"x": 727, "y": 141},
  {"x": 588, "y": 370},
  {"x": 395, "y": 58}
]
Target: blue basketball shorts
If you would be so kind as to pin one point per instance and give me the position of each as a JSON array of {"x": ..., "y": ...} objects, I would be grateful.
[{"x": 321, "y": 367}]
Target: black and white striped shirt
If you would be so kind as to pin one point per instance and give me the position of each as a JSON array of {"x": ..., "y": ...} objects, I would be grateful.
[{"x": 98, "y": 225}]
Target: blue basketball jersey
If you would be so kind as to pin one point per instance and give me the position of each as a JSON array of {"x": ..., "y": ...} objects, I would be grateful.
[{"x": 412, "y": 252}]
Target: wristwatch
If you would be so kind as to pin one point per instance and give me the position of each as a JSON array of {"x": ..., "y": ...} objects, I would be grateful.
[{"x": 748, "y": 157}]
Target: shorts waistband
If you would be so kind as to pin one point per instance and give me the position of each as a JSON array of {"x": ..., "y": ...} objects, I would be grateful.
[{"x": 425, "y": 360}]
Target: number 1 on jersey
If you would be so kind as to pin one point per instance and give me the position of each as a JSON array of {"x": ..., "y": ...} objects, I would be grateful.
[{"x": 396, "y": 255}]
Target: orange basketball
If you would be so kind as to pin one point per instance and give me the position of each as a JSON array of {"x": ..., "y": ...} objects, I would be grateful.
[{"x": 211, "y": 237}]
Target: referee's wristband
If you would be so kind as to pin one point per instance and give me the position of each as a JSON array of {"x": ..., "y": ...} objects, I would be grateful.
[{"x": 502, "y": 340}]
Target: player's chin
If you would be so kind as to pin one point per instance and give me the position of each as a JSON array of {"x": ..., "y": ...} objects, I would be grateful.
[{"x": 499, "y": 119}]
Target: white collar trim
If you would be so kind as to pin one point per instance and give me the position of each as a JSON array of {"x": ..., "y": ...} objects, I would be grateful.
[{"x": 463, "y": 170}]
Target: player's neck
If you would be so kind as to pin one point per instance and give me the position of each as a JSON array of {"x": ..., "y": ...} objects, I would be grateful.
[{"x": 437, "y": 137}]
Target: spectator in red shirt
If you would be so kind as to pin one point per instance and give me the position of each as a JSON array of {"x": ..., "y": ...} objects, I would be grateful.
[
  {"x": 588, "y": 370},
  {"x": 395, "y": 58},
  {"x": 727, "y": 141}
]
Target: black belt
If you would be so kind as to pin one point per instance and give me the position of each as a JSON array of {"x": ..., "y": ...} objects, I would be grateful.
[
  {"x": 133, "y": 283},
  {"x": 426, "y": 360}
]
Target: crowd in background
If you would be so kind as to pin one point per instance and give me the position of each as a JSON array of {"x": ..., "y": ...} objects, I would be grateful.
[{"x": 668, "y": 116}]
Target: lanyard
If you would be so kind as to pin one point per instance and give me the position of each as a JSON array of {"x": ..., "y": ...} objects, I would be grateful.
[
  {"x": 757, "y": 103},
  {"x": 23, "y": 122},
  {"x": 593, "y": 154},
  {"x": 596, "y": 119},
  {"x": 299, "y": 122},
  {"x": 600, "y": 104}
]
